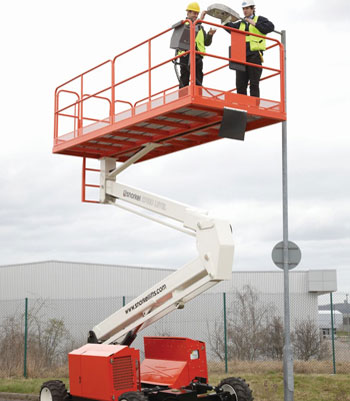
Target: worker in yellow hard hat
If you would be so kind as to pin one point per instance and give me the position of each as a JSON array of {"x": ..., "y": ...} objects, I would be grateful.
[{"x": 202, "y": 39}]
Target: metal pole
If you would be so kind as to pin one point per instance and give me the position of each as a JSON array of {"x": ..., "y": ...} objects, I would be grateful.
[
  {"x": 287, "y": 352},
  {"x": 25, "y": 338},
  {"x": 347, "y": 315},
  {"x": 332, "y": 324},
  {"x": 123, "y": 300},
  {"x": 225, "y": 333}
]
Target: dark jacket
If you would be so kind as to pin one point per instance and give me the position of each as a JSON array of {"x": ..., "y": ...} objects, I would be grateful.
[{"x": 263, "y": 25}]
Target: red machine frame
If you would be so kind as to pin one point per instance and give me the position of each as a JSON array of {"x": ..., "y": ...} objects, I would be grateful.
[
  {"x": 173, "y": 361},
  {"x": 103, "y": 372}
]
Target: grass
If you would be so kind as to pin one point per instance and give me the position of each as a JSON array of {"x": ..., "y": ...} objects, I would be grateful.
[
  {"x": 263, "y": 367},
  {"x": 266, "y": 386},
  {"x": 25, "y": 386},
  {"x": 343, "y": 334},
  {"x": 307, "y": 387}
]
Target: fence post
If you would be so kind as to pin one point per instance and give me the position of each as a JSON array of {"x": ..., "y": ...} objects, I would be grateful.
[
  {"x": 25, "y": 338},
  {"x": 123, "y": 300},
  {"x": 225, "y": 333},
  {"x": 332, "y": 324}
]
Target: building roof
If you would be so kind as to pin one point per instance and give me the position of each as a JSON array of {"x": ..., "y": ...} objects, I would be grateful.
[
  {"x": 65, "y": 262},
  {"x": 343, "y": 308}
]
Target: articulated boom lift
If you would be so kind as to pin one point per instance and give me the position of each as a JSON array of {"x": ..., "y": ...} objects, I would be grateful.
[
  {"x": 107, "y": 368},
  {"x": 135, "y": 130}
]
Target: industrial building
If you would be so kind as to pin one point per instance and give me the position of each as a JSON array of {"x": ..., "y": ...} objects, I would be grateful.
[
  {"x": 83, "y": 294},
  {"x": 325, "y": 322},
  {"x": 72, "y": 280},
  {"x": 342, "y": 310}
]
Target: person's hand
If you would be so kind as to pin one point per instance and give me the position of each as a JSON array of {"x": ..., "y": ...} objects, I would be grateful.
[
  {"x": 203, "y": 14},
  {"x": 211, "y": 31},
  {"x": 250, "y": 21}
]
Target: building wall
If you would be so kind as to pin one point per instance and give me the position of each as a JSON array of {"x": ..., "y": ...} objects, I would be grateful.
[
  {"x": 70, "y": 280},
  {"x": 82, "y": 295}
]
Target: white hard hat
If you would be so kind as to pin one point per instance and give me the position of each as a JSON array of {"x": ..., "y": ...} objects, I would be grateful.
[{"x": 248, "y": 3}]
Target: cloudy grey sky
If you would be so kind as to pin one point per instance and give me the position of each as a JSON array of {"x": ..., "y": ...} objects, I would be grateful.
[{"x": 46, "y": 43}]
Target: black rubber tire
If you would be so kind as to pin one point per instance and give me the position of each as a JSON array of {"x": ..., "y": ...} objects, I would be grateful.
[
  {"x": 57, "y": 389},
  {"x": 241, "y": 390},
  {"x": 132, "y": 396}
]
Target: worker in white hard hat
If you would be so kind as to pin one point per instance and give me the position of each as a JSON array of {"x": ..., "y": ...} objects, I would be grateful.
[
  {"x": 202, "y": 39},
  {"x": 255, "y": 47}
]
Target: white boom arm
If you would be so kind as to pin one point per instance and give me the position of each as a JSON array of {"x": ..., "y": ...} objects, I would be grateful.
[{"x": 213, "y": 264}]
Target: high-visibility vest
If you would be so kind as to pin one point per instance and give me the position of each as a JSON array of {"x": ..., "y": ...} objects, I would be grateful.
[
  {"x": 200, "y": 40},
  {"x": 256, "y": 44},
  {"x": 200, "y": 46}
]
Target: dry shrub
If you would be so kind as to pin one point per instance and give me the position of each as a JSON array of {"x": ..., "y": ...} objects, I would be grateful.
[
  {"x": 255, "y": 332},
  {"x": 59, "y": 371},
  {"x": 308, "y": 342},
  {"x": 47, "y": 346}
]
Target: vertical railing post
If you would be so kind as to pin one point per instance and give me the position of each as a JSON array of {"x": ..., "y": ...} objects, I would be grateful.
[
  {"x": 149, "y": 74},
  {"x": 75, "y": 119},
  {"x": 80, "y": 110},
  {"x": 111, "y": 118},
  {"x": 56, "y": 119},
  {"x": 83, "y": 181},
  {"x": 225, "y": 332},
  {"x": 283, "y": 57},
  {"x": 192, "y": 57},
  {"x": 332, "y": 325},
  {"x": 25, "y": 338}
]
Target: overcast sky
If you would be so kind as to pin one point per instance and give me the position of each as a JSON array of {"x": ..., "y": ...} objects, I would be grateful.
[{"x": 45, "y": 43}]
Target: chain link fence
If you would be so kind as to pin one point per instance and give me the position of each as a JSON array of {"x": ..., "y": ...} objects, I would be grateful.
[{"x": 243, "y": 331}]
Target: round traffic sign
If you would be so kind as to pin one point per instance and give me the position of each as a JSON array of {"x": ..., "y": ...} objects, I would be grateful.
[{"x": 294, "y": 255}]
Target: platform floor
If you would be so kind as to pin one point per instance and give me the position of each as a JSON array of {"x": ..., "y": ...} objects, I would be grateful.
[{"x": 177, "y": 120}]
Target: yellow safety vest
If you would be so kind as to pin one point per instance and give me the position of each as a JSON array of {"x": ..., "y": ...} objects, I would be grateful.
[
  {"x": 199, "y": 41},
  {"x": 256, "y": 44}
]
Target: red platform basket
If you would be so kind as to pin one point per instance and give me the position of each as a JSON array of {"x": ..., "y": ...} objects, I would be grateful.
[{"x": 174, "y": 118}]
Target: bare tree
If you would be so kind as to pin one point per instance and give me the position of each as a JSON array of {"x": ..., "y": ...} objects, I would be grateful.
[
  {"x": 248, "y": 319},
  {"x": 216, "y": 339},
  {"x": 248, "y": 324},
  {"x": 11, "y": 345},
  {"x": 47, "y": 341},
  {"x": 274, "y": 339},
  {"x": 308, "y": 342},
  {"x": 50, "y": 345}
]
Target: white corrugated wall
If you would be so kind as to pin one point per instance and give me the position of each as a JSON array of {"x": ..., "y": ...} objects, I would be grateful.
[{"x": 70, "y": 280}]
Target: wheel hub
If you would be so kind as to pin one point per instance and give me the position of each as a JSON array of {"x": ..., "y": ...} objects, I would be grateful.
[
  {"x": 229, "y": 389},
  {"x": 45, "y": 395}
]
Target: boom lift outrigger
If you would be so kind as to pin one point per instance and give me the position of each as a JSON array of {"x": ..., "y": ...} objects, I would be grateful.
[{"x": 107, "y": 368}]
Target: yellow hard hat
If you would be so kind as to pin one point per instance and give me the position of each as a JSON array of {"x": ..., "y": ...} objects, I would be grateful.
[{"x": 193, "y": 7}]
